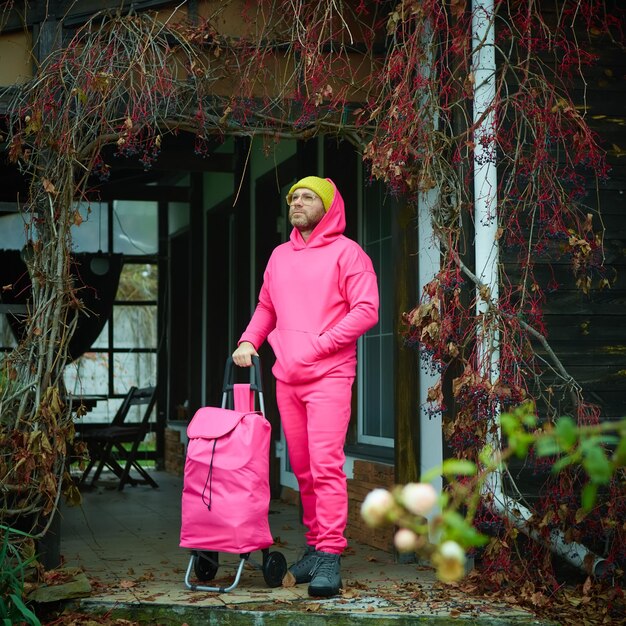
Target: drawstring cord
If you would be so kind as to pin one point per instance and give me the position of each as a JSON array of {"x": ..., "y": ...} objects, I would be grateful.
[{"x": 209, "y": 479}]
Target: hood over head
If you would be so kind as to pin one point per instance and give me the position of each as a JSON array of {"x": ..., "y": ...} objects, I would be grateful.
[{"x": 331, "y": 225}]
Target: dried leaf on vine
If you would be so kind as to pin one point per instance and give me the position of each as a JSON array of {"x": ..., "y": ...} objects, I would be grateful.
[
  {"x": 431, "y": 331},
  {"x": 435, "y": 393},
  {"x": 33, "y": 123},
  {"x": 49, "y": 187},
  {"x": 453, "y": 350}
]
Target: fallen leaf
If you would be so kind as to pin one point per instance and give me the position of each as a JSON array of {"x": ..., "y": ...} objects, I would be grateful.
[
  {"x": 127, "y": 584},
  {"x": 289, "y": 580}
]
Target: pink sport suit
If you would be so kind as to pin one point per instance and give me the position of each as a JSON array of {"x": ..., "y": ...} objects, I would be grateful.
[{"x": 318, "y": 297}]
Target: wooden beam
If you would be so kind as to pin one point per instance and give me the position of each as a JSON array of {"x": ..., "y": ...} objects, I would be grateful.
[
  {"x": 177, "y": 155},
  {"x": 196, "y": 279},
  {"x": 71, "y": 13},
  {"x": 47, "y": 38},
  {"x": 407, "y": 427}
]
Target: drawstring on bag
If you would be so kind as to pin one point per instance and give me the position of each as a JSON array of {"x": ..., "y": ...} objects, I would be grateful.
[{"x": 209, "y": 479}]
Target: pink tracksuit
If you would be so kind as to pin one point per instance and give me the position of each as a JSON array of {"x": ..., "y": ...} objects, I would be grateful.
[{"x": 318, "y": 297}]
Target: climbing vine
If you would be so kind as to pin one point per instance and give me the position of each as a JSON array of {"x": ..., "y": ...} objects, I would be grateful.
[{"x": 396, "y": 80}]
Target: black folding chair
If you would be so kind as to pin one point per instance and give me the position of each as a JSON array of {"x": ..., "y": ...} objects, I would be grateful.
[{"x": 116, "y": 445}]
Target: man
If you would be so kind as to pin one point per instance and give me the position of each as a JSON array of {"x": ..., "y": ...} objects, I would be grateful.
[{"x": 319, "y": 295}]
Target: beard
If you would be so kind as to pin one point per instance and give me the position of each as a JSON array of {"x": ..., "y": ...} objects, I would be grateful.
[{"x": 305, "y": 221}]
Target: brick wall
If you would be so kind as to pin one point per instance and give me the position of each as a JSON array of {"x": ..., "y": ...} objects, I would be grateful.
[
  {"x": 174, "y": 452},
  {"x": 367, "y": 476}
]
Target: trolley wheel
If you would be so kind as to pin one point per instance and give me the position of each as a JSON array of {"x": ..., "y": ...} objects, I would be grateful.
[
  {"x": 274, "y": 568},
  {"x": 205, "y": 564}
]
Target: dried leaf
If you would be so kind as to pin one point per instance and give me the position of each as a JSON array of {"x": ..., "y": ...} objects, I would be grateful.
[
  {"x": 435, "y": 393},
  {"x": 618, "y": 151},
  {"x": 49, "y": 187},
  {"x": 453, "y": 349},
  {"x": 127, "y": 584}
]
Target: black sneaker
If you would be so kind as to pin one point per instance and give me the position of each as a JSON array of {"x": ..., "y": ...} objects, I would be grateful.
[
  {"x": 302, "y": 569},
  {"x": 326, "y": 576}
]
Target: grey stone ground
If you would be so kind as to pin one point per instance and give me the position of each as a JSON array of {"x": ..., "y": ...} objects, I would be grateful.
[{"x": 127, "y": 544}]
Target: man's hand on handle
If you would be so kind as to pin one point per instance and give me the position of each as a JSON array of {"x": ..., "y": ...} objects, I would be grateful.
[{"x": 242, "y": 356}]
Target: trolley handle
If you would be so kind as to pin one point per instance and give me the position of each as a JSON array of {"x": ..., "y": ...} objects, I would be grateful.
[{"x": 255, "y": 375}]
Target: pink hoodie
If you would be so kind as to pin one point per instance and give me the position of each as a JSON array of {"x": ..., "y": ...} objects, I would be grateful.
[{"x": 318, "y": 297}]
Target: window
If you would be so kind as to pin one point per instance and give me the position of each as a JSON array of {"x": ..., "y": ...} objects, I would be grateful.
[
  {"x": 124, "y": 354},
  {"x": 376, "y": 362}
]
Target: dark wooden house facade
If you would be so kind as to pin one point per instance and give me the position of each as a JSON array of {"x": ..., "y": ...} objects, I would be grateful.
[{"x": 203, "y": 226}]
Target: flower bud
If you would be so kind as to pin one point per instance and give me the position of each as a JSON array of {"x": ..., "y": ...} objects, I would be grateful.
[
  {"x": 377, "y": 504},
  {"x": 449, "y": 561},
  {"x": 405, "y": 540},
  {"x": 419, "y": 498}
]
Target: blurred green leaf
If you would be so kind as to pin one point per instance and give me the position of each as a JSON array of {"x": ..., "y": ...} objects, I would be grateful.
[
  {"x": 591, "y": 442},
  {"x": 431, "y": 474},
  {"x": 619, "y": 456},
  {"x": 444, "y": 499},
  {"x": 566, "y": 432},
  {"x": 597, "y": 465},
  {"x": 564, "y": 462},
  {"x": 485, "y": 456},
  {"x": 509, "y": 424},
  {"x": 547, "y": 445},
  {"x": 458, "y": 467},
  {"x": 457, "y": 528},
  {"x": 520, "y": 443},
  {"x": 588, "y": 496},
  {"x": 529, "y": 419}
]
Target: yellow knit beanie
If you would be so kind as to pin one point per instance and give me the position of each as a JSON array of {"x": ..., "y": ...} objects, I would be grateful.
[{"x": 321, "y": 186}]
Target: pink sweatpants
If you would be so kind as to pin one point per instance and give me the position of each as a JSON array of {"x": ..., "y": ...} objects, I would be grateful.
[{"x": 315, "y": 419}]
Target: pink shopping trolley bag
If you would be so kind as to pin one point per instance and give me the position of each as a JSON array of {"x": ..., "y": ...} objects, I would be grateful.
[{"x": 226, "y": 494}]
